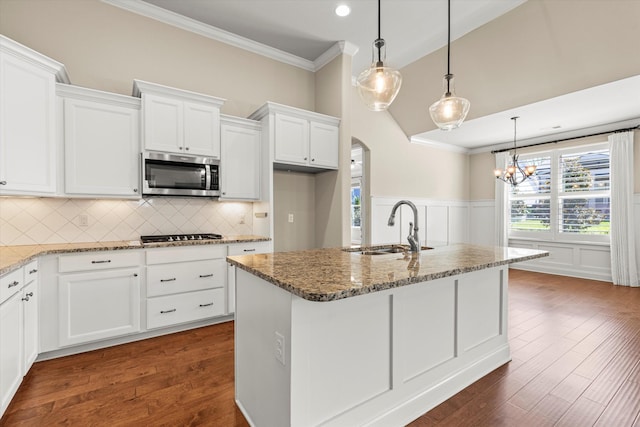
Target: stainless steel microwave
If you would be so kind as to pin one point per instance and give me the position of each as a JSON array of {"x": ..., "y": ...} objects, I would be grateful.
[{"x": 180, "y": 175}]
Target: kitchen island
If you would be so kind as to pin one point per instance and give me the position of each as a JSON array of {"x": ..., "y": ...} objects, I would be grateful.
[{"x": 335, "y": 337}]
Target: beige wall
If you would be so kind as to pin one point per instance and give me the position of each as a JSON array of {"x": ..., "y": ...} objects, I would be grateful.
[
  {"x": 104, "y": 47},
  {"x": 401, "y": 169},
  {"x": 539, "y": 50},
  {"x": 482, "y": 186},
  {"x": 294, "y": 193}
]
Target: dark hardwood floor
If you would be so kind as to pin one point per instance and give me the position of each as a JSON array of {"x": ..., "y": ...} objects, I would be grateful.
[{"x": 576, "y": 362}]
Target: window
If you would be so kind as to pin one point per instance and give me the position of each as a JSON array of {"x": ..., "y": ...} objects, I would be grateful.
[{"x": 568, "y": 197}]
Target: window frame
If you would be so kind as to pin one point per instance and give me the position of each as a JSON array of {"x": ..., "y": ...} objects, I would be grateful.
[{"x": 555, "y": 196}]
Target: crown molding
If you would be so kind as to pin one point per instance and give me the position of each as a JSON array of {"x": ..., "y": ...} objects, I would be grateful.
[
  {"x": 439, "y": 145},
  {"x": 337, "y": 49},
  {"x": 37, "y": 59},
  {"x": 214, "y": 33},
  {"x": 93, "y": 95}
]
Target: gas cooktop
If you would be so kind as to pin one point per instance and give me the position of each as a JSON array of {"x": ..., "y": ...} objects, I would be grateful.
[{"x": 162, "y": 238}]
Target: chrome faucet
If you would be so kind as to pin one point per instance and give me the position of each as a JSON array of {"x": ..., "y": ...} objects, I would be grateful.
[{"x": 414, "y": 241}]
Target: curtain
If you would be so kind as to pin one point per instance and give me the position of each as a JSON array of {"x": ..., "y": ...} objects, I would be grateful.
[
  {"x": 624, "y": 268},
  {"x": 501, "y": 202}
]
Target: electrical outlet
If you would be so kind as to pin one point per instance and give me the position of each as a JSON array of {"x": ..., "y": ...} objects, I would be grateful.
[
  {"x": 290, "y": 217},
  {"x": 83, "y": 220},
  {"x": 279, "y": 348}
]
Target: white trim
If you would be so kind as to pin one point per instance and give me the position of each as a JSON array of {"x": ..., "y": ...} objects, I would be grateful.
[
  {"x": 273, "y": 107},
  {"x": 41, "y": 61},
  {"x": 211, "y": 32},
  {"x": 439, "y": 145},
  {"x": 338, "y": 48},
  {"x": 240, "y": 121},
  {"x": 574, "y": 134},
  {"x": 93, "y": 95},
  {"x": 140, "y": 87}
]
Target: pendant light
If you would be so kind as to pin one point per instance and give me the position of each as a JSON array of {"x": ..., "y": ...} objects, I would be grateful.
[
  {"x": 378, "y": 85},
  {"x": 515, "y": 174},
  {"x": 450, "y": 111}
]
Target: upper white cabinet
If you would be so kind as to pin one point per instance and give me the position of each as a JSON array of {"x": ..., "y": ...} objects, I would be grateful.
[
  {"x": 179, "y": 121},
  {"x": 101, "y": 143},
  {"x": 301, "y": 140},
  {"x": 240, "y": 159},
  {"x": 27, "y": 120}
]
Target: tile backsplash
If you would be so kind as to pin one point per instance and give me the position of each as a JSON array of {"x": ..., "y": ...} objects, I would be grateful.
[{"x": 27, "y": 221}]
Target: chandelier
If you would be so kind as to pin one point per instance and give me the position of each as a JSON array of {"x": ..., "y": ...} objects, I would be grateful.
[
  {"x": 378, "y": 85},
  {"x": 449, "y": 111},
  {"x": 515, "y": 174}
]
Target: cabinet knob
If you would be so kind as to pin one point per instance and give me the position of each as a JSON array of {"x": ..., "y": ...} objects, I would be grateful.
[
  {"x": 224, "y": 193},
  {"x": 3, "y": 182},
  {"x": 135, "y": 190},
  {"x": 14, "y": 283},
  {"x": 30, "y": 294},
  {"x": 305, "y": 158},
  {"x": 179, "y": 148},
  {"x": 135, "y": 274},
  {"x": 313, "y": 160},
  {"x": 35, "y": 270},
  {"x": 186, "y": 148},
  {"x": 25, "y": 299}
]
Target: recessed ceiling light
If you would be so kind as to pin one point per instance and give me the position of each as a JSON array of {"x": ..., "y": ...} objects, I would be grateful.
[{"x": 343, "y": 10}]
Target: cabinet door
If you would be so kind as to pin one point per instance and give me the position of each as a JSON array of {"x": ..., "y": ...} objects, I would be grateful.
[
  {"x": 163, "y": 127},
  {"x": 250, "y": 248},
  {"x": 11, "y": 345},
  {"x": 98, "y": 305},
  {"x": 292, "y": 140},
  {"x": 202, "y": 129},
  {"x": 27, "y": 138},
  {"x": 240, "y": 164},
  {"x": 101, "y": 149},
  {"x": 30, "y": 321},
  {"x": 323, "y": 145}
]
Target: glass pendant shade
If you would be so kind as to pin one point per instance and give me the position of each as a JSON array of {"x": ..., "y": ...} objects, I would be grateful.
[
  {"x": 449, "y": 111},
  {"x": 378, "y": 85}
]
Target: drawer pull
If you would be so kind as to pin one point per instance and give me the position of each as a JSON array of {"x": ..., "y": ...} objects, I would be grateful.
[
  {"x": 206, "y": 305},
  {"x": 101, "y": 261},
  {"x": 167, "y": 280},
  {"x": 30, "y": 294},
  {"x": 25, "y": 299},
  {"x": 3, "y": 182},
  {"x": 202, "y": 276},
  {"x": 135, "y": 274},
  {"x": 167, "y": 311},
  {"x": 35, "y": 270},
  {"x": 14, "y": 283},
  {"x": 250, "y": 250}
]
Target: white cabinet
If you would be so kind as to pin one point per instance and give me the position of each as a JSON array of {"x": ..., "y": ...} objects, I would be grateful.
[
  {"x": 250, "y": 248},
  {"x": 18, "y": 329},
  {"x": 240, "y": 158},
  {"x": 179, "y": 121},
  {"x": 185, "y": 284},
  {"x": 11, "y": 335},
  {"x": 101, "y": 302},
  {"x": 300, "y": 140},
  {"x": 30, "y": 300},
  {"x": 27, "y": 120},
  {"x": 101, "y": 143}
]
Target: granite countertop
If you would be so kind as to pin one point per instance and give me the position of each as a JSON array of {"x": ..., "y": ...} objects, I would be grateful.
[
  {"x": 14, "y": 257},
  {"x": 333, "y": 274}
]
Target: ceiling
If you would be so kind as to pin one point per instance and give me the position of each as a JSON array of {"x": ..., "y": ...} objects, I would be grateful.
[
  {"x": 305, "y": 29},
  {"x": 308, "y": 28}
]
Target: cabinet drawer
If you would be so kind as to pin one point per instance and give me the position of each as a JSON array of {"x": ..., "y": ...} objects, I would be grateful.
[
  {"x": 11, "y": 283},
  {"x": 249, "y": 248},
  {"x": 98, "y": 261},
  {"x": 31, "y": 272},
  {"x": 180, "y": 308},
  {"x": 166, "y": 279},
  {"x": 185, "y": 253}
]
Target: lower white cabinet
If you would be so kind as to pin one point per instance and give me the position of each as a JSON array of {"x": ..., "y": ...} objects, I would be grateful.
[
  {"x": 250, "y": 248},
  {"x": 18, "y": 329},
  {"x": 11, "y": 345},
  {"x": 185, "y": 284},
  {"x": 184, "y": 307},
  {"x": 100, "y": 303}
]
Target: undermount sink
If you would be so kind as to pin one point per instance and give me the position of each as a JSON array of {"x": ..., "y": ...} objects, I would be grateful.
[{"x": 383, "y": 250}]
